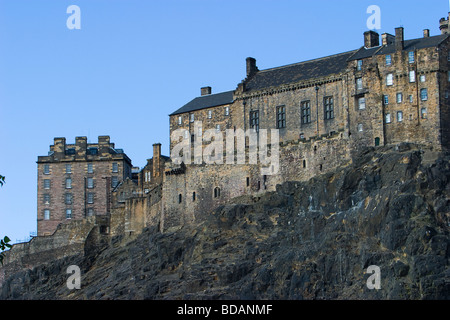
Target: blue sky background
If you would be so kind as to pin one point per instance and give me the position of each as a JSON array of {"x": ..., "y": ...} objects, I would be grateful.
[{"x": 133, "y": 62}]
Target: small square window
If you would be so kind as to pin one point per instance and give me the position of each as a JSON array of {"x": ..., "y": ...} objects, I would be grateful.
[
  {"x": 90, "y": 198},
  {"x": 388, "y": 60},
  {"x": 362, "y": 103},
  {"x": 424, "y": 94},
  {"x": 359, "y": 84},
  {"x": 390, "y": 79},
  {"x": 423, "y": 113},
  {"x": 388, "y": 118},
  {"x": 90, "y": 183},
  {"x": 412, "y": 76},
  {"x": 359, "y": 65}
]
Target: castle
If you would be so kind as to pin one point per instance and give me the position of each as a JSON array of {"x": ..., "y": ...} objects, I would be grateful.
[{"x": 390, "y": 90}]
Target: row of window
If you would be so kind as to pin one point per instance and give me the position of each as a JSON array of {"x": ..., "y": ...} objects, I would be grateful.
[
  {"x": 210, "y": 115},
  {"x": 90, "y": 168},
  {"x": 399, "y": 97},
  {"x": 89, "y": 183},
  {"x": 68, "y": 198},
  {"x": 68, "y": 213},
  {"x": 388, "y": 60}
]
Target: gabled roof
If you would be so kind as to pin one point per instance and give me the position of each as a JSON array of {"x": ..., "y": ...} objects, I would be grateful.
[
  {"x": 409, "y": 45},
  {"x": 208, "y": 101},
  {"x": 306, "y": 70}
]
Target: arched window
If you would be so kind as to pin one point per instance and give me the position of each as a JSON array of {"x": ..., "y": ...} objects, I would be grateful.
[{"x": 216, "y": 192}]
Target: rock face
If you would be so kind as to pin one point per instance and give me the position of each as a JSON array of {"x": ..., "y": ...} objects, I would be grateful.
[{"x": 307, "y": 240}]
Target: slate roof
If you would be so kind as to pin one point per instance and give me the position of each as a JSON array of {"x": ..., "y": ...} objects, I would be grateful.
[
  {"x": 316, "y": 68},
  {"x": 409, "y": 45},
  {"x": 209, "y": 101}
]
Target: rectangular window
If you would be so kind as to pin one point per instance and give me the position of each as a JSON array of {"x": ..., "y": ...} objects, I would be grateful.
[
  {"x": 399, "y": 116},
  {"x": 412, "y": 76},
  {"x": 68, "y": 183},
  {"x": 90, "y": 183},
  {"x": 411, "y": 98},
  {"x": 423, "y": 94},
  {"x": 388, "y": 60},
  {"x": 422, "y": 78},
  {"x": 68, "y": 213},
  {"x": 46, "y": 214},
  {"x": 329, "y": 108},
  {"x": 448, "y": 56},
  {"x": 360, "y": 127},
  {"x": 114, "y": 182},
  {"x": 390, "y": 79},
  {"x": 423, "y": 113},
  {"x": 90, "y": 168},
  {"x": 46, "y": 169},
  {"x": 385, "y": 99},
  {"x": 388, "y": 118},
  {"x": 90, "y": 212},
  {"x": 192, "y": 117},
  {"x": 217, "y": 127},
  {"x": 399, "y": 97},
  {"x": 281, "y": 117},
  {"x": 115, "y": 167},
  {"x": 359, "y": 84},
  {"x": 180, "y": 120},
  {"x": 448, "y": 76},
  {"x": 90, "y": 198},
  {"x": 68, "y": 198},
  {"x": 227, "y": 111},
  {"x": 209, "y": 114},
  {"x": 92, "y": 151},
  {"x": 411, "y": 57},
  {"x": 361, "y": 103},
  {"x": 47, "y": 184},
  {"x": 305, "y": 110},
  {"x": 254, "y": 120},
  {"x": 359, "y": 65},
  {"x": 68, "y": 168},
  {"x": 46, "y": 198}
]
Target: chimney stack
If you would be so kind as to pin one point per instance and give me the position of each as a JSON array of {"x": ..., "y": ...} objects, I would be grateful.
[
  {"x": 426, "y": 33},
  {"x": 371, "y": 39},
  {"x": 387, "y": 39},
  {"x": 206, "y": 91},
  {"x": 399, "y": 38},
  {"x": 156, "y": 159},
  {"x": 251, "y": 67}
]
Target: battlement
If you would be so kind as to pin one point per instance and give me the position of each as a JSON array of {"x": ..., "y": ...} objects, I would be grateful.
[{"x": 81, "y": 150}]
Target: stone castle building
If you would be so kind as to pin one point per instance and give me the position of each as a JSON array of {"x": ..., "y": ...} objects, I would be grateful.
[{"x": 388, "y": 91}]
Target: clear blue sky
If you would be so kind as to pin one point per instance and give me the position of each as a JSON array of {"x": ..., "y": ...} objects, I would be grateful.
[{"x": 133, "y": 62}]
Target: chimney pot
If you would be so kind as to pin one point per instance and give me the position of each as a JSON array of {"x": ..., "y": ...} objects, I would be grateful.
[
  {"x": 206, "y": 91},
  {"x": 426, "y": 33}
]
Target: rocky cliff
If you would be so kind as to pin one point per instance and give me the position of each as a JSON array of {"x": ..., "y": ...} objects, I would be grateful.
[{"x": 308, "y": 240}]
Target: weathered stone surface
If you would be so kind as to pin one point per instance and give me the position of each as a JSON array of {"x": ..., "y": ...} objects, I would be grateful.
[{"x": 307, "y": 240}]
